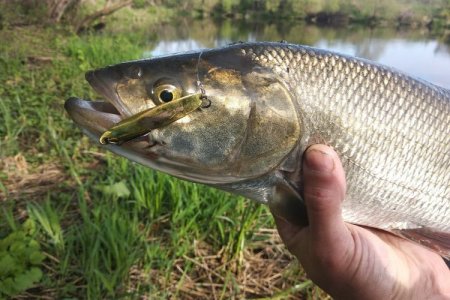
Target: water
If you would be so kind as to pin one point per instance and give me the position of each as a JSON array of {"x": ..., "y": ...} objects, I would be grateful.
[{"x": 414, "y": 51}]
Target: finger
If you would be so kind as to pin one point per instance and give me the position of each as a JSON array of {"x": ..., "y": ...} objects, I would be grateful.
[{"x": 324, "y": 190}]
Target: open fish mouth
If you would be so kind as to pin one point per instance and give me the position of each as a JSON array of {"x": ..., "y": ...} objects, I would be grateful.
[
  {"x": 99, "y": 115},
  {"x": 93, "y": 116}
]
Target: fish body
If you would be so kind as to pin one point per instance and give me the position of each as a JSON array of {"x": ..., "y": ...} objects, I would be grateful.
[{"x": 269, "y": 102}]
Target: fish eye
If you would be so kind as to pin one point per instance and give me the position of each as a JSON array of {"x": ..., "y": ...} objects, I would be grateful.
[
  {"x": 166, "y": 96},
  {"x": 163, "y": 93}
]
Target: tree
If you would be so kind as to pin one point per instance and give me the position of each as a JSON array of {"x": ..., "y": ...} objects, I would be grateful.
[{"x": 58, "y": 8}]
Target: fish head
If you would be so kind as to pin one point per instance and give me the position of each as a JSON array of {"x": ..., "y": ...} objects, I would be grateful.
[{"x": 245, "y": 128}]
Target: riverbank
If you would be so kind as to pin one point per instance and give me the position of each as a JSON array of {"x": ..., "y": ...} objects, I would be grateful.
[
  {"x": 326, "y": 18},
  {"x": 434, "y": 14},
  {"x": 89, "y": 224}
]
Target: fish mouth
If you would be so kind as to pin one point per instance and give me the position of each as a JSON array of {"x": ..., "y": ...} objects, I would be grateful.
[
  {"x": 93, "y": 116},
  {"x": 97, "y": 116}
]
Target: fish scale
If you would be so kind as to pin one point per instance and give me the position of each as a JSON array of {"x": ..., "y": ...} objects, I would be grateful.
[{"x": 400, "y": 120}]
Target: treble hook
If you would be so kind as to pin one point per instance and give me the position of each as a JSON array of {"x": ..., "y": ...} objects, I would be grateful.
[{"x": 205, "y": 101}]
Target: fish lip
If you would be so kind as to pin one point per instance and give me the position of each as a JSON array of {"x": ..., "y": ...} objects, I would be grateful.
[
  {"x": 95, "y": 116},
  {"x": 100, "y": 106},
  {"x": 104, "y": 82}
]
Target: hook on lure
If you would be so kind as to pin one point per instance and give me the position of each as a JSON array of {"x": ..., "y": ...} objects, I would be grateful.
[{"x": 205, "y": 101}]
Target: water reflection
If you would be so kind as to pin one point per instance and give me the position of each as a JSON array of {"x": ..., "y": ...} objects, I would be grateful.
[
  {"x": 417, "y": 52},
  {"x": 165, "y": 47}
]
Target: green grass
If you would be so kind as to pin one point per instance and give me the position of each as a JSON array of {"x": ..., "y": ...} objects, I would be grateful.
[{"x": 110, "y": 228}]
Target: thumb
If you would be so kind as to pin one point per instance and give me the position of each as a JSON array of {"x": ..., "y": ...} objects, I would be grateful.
[{"x": 324, "y": 190}]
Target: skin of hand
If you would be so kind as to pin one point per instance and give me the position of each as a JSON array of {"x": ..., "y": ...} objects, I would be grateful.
[{"x": 352, "y": 262}]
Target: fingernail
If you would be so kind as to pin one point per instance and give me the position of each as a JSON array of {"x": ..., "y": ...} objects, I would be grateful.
[{"x": 319, "y": 161}]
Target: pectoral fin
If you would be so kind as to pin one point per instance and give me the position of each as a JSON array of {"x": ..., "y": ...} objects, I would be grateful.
[{"x": 289, "y": 205}]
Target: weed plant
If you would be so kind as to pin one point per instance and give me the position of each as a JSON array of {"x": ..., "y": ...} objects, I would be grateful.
[{"x": 110, "y": 228}]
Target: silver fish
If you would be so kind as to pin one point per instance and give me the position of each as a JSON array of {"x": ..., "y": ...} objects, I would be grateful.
[{"x": 268, "y": 103}]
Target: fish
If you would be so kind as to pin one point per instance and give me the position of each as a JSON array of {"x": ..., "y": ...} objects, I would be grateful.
[{"x": 267, "y": 102}]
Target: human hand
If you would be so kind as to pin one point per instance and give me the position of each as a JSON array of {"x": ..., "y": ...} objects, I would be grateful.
[{"x": 352, "y": 262}]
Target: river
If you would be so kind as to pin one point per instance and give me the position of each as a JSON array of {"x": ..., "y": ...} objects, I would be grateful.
[{"x": 418, "y": 52}]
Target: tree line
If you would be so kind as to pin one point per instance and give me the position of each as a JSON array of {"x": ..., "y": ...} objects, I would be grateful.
[{"x": 83, "y": 14}]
